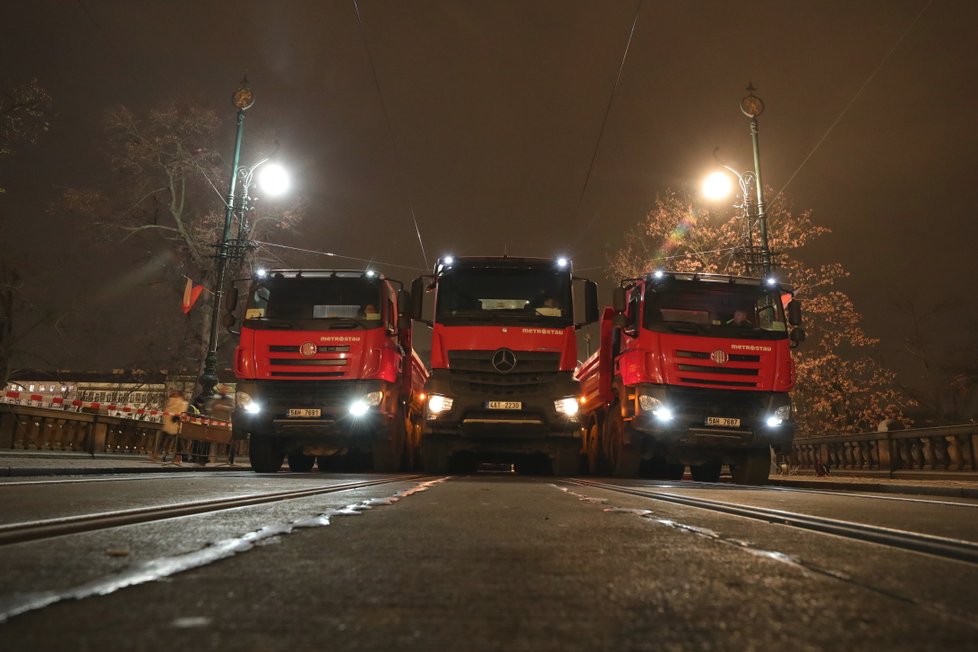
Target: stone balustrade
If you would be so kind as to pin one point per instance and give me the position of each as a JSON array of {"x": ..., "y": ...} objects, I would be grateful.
[
  {"x": 50, "y": 429},
  {"x": 940, "y": 449}
]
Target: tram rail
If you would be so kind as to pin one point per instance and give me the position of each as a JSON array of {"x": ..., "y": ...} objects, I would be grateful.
[
  {"x": 43, "y": 529},
  {"x": 944, "y": 547}
]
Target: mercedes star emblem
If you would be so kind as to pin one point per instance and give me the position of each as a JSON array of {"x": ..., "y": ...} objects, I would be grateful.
[{"x": 504, "y": 361}]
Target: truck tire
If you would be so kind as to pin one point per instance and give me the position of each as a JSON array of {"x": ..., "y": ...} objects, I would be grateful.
[
  {"x": 300, "y": 463},
  {"x": 753, "y": 468},
  {"x": 597, "y": 464},
  {"x": 434, "y": 456},
  {"x": 265, "y": 454},
  {"x": 709, "y": 472},
  {"x": 388, "y": 445},
  {"x": 625, "y": 458}
]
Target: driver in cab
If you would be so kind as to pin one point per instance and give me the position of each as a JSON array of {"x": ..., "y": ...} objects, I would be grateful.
[{"x": 741, "y": 319}]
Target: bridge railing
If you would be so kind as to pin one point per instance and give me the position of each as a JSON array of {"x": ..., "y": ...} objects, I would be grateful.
[
  {"x": 24, "y": 427},
  {"x": 938, "y": 449}
]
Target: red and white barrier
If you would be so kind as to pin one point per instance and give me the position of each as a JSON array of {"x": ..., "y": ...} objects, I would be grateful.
[{"x": 61, "y": 403}]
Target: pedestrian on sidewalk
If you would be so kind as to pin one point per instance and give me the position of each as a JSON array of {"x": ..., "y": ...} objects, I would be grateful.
[{"x": 176, "y": 405}]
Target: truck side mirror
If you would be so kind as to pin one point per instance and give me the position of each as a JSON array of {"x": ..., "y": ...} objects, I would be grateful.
[
  {"x": 797, "y": 336},
  {"x": 232, "y": 302},
  {"x": 228, "y": 321},
  {"x": 794, "y": 312},
  {"x": 618, "y": 300},
  {"x": 403, "y": 302},
  {"x": 404, "y": 308},
  {"x": 417, "y": 298},
  {"x": 590, "y": 302}
]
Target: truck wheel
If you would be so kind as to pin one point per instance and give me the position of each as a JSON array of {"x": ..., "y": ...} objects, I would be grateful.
[
  {"x": 596, "y": 462},
  {"x": 709, "y": 472},
  {"x": 388, "y": 445},
  {"x": 300, "y": 463},
  {"x": 625, "y": 458},
  {"x": 265, "y": 454},
  {"x": 434, "y": 456},
  {"x": 753, "y": 468},
  {"x": 567, "y": 461}
]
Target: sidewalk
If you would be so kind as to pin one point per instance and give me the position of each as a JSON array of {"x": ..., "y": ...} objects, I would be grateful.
[
  {"x": 947, "y": 486},
  {"x": 36, "y": 463}
]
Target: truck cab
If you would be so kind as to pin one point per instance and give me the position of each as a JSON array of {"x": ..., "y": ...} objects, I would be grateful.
[
  {"x": 325, "y": 366},
  {"x": 503, "y": 352},
  {"x": 693, "y": 369}
]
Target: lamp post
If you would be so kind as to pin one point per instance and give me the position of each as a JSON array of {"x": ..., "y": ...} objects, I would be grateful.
[
  {"x": 717, "y": 186},
  {"x": 752, "y": 106},
  {"x": 243, "y": 99}
]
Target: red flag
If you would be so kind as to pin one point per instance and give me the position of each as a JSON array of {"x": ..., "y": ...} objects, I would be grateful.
[{"x": 190, "y": 295}]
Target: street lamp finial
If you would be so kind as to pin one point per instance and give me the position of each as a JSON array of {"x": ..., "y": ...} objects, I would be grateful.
[
  {"x": 751, "y": 106},
  {"x": 243, "y": 98}
]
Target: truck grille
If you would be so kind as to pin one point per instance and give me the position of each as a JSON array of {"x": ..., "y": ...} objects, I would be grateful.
[
  {"x": 324, "y": 363},
  {"x": 283, "y": 394},
  {"x": 744, "y": 374},
  {"x": 718, "y": 403},
  {"x": 527, "y": 362}
]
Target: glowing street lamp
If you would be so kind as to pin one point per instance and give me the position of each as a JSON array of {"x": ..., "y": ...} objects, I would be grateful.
[
  {"x": 273, "y": 180},
  {"x": 719, "y": 185}
]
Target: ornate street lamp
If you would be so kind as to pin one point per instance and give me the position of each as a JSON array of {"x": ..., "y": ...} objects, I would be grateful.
[
  {"x": 718, "y": 186},
  {"x": 243, "y": 99},
  {"x": 752, "y": 106}
]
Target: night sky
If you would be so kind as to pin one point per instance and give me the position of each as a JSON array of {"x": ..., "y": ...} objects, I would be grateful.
[{"x": 495, "y": 108}]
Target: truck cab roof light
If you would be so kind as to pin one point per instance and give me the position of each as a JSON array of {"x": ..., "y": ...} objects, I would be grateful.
[{"x": 562, "y": 262}]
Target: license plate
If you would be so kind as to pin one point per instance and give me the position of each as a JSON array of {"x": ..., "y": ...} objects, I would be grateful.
[
  {"x": 304, "y": 412},
  {"x": 505, "y": 405},
  {"x": 725, "y": 422}
]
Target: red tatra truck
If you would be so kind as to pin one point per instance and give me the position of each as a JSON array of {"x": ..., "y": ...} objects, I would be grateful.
[
  {"x": 325, "y": 366},
  {"x": 692, "y": 369},
  {"x": 503, "y": 352}
]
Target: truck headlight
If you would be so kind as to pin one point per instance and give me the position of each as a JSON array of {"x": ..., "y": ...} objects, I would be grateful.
[
  {"x": 659, "y": 410},
  {"x": 359, "y": 407},
  {"x": 248, "y": 404},
  {"x": 567, "y": 406},
  {"x": 779, "y": 417},
  {"x": 438, "y": 404},
  {"x": 373, "y": 399}
]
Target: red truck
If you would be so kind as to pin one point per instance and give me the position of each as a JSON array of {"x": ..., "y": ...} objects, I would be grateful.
[
  {"x": 503, "y": 353},
  {"x": 692, "y": 369},
  {"x": 325, "y": 366}
]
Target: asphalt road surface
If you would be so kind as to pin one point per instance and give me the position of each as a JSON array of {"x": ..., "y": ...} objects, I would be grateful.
[{"x": 481, "y": 562}]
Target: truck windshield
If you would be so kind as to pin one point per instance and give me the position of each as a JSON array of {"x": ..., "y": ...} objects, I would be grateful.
[
  {"x": 313, "y": 302},
  {"x": 508, "y": 296},
  {"x": 715, "y": 309}
]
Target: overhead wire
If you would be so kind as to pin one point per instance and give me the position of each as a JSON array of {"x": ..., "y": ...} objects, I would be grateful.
[
  {"x": 390, "y": 130},
  {"x": 368, "y": 261},
  {"x": 845, "y": 109},
  {"x": 604, "y": 122}
]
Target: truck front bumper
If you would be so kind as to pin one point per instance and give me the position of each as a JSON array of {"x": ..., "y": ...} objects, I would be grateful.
[
  {"x": 483, "y": 417},
  {"x": 683, "y": 419}
]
